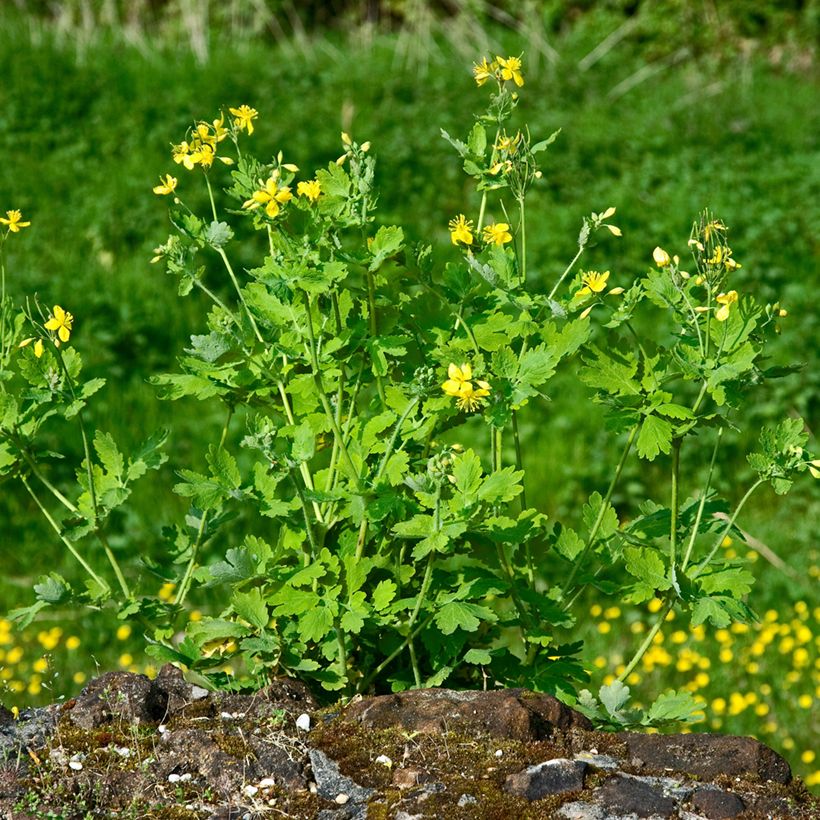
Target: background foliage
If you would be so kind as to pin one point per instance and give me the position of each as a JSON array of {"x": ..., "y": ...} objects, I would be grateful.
[{"x": 706, "y": 104}]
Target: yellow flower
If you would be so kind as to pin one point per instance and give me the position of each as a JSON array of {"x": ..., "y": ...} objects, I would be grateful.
[
  {"x": 715, "y": 226},
  {"x": 814, "y": 468},
  {"x": 511, "y": 69},
  {"x": 123, "y": 632},
  {"x": 508, "y": 145},
  {"x": 459, "y": 385},
  {"x": 310, "y": 189},
  {"x": 726, "y": 300},
  {"x": 60, "y": 321},
  {"x": 181, "y": 154},
  {"x": 244, "y": 117},
  {"x": 483, "y": 71},
  {"x": 593, "y": 282},
  {"x": 661, "y": 257},
  {"x": 497, "y": 234},
  {"x": 167, "y": 185},
  {"x": 461, "y": 230},
  {"x": 14, "y": 221},
  {"x": 271, "y": 195}
]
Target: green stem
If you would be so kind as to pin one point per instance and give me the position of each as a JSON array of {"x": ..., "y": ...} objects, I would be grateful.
[
  {"x": 56, "y": 527},
  {"x": 340, "y": 640},
  {"x": 374, "y": 327},
  {"x": 185, "y": 584},
  {"x": 647, "y": 641},
  {"x": 703, "y": 564},
  {"x": 519, "y": 465},
  {"x": 523, "y": 262},
  {"x": 673, "y": 526},
  {"x": 566, "y": 272},
  {"x": 702, "y": 504},
  {"x": 310, "y": 555},
  {"x": 229, "y": 268},
  {"x": 216, "y": 300},
  {"x": 46, "y": 483},
  {"x": 211, "y": 197},
  {"x": 604, "y": 506},
  {"x": 317, "y": 379}
]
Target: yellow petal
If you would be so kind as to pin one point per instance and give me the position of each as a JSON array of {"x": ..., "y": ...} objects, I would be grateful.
[
  {"x": 453, "y": 371},
  {"x": 466, "y": 372}
]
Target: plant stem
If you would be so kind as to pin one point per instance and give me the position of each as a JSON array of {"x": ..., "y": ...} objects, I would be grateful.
[
  {"x": 604, "y": 505},
  {"x": 523, "y": 262},
  {"x": 702, "y": 504},
  {"x": 374, "y": 327},
  {"x": 519, "y": 465},
  {"x": 310, "y": 555},
  {"x": 211, "y": 197},
  {"x": 566, "y": 272},
  {"x": 46, "y": 483},
  {"x": 185, "y": 584},
  {"x": 673, "y": 526},
  {"x": 647, "y": 641},
  {"x": 703, "y": 564},
  {"x": 229, "y": 268},
  {"x": 340, "y": 639},
  {"x": 56, "y": 527}
]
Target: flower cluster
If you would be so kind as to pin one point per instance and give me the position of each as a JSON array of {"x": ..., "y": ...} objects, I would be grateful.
[
  {"x": 459, "y": 385},
  {"x": 59, "y": 324},
  {"x": 462, "y": 232},
  {"x": 271, "y": 194},
  {"x": 501, "y": 68},
  {"x": 201, "y": 146}
]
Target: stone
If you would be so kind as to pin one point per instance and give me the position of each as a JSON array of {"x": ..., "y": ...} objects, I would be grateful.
[
  {"x": 31, "y": 729},
  {"x": 330, "y": 781},
  {"x": 597, "y": 761},
  {"x": 550, "y": 777},
  {"x": 405, "y": 778},
  {"x": 631, "y": 795},
  {"x": 511, "y": 714},
  {"x": 709, "y": 755},
  {"x": 580, "y": 810},
  {"x": 114, "y": 696},
  {"x": 716, "y": 804}
]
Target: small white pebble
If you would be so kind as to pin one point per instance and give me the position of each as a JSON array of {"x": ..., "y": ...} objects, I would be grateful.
[
  {"x": 384, "y": 760},
  {"x": 197, "y": 692},
  {"x": 267, "y": 783},
  {"x": 342, "y": 798},
  {"x": 499, "y": 752},
  {"x": 226, "y": 715},
  {"x": 122, "y": 751},
  {"x": 238, "y": 715},
  {"x": 76, "y": 765},
  {"x": 162, "y": 728},
  {"x": 303, "y": 722},
  {"x": 313, "y": 788},
  {"x": 250, "y": 791},
  {"x": 174, "y": 778},
  {"x": 185, "y": 777}
]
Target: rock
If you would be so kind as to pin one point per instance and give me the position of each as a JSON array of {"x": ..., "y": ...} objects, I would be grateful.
[
  {"x": 331, "y": 782},
  {"x": 596, "y": 761},
  {"x": 632, "y": 795},
  {"x": 550, "y": 777},
  {"x": 709, "y": 755},
  {"x": 514, "y": 713},
  {"x": 716, "y": 804},
  {"x": 31, "y": 730},
  {"x": 581, "y": 811},
  {"x": 120, "y": 696},
  {"x": 169, "y": 693},
  {"x": 405, "y": 778}
]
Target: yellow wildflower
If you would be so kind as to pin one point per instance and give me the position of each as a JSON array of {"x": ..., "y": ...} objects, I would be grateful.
[
  {"x": 511, "y": 69},
  {"x": 461, "y": 230},
  {"x": 483, "y": 71},
  {"x": 593, "y": 282},
  {"x": 310, "y": 189},
  {"x": 726, "y": 300},
  {"x": 507, "y": 144},
  {"x": 715, "y": 226},
  {"x": 167, "y": 185},
  {"x": 60, "y": 322},
  {"x": 39, "y": 348},
  {"x": 14, "y": 220},
  {"x": 661, "y": 257},
  {"x": 271, "y": 195},
  {"x": 459, "y": 385},
  {"x": 497, "y": 234}
]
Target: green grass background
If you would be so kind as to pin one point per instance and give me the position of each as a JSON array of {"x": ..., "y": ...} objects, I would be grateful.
[{"x": 703, "y": 105}]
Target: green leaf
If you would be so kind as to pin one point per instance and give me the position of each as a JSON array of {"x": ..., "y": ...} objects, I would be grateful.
[
  {"x": 648, "y": 567},
  {"x": 721, "y": 611},
  {"x": 397, "y": 467},
  {"x": 109, "y": 455},
  {"x": 542, "y": 145},
  {"x": 52, "y": 589},
  {"x": 569, "y": 544},
  {"x": 614, "y": 697},
  {"x": 655, "y": 437},
  {"x": 609, "y": 522},
  {"x": 613, "y": 373},
  {"x": 467, "y": 472},
  {"x": 383, "y": 594},
  {"x": 387, "y": 242},
  {"x": 304, "y": 443},
  {"x": 315, "y": 624},
  {"x": 478, "y": 657},
  {"x": 460, "y": 615},
  {"x": 501, "y": 486},
  {"x": 419, "y": 526},
  {"x": 536, "y": 366},
  {"x": 672, "y": 707},
  {"x": 737, "y": 581},
  {"x": 224, "y": 467},
  {"x": 218, "y": 234},
  {"x": 239, "y": 566},
  {"x": 477, "y": 141},
  {"x": 251, "y": 607}
]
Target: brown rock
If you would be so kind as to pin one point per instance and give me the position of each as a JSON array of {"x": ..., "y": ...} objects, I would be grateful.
[
  {"x": 716, "y": 804},
  {"x": 515, "y": 714},
  {"x": 708, "y": 755},
  {"x": 121, "y": 696},
  {"x": 405, "y": 778},
  {"x": 632, "y": 795},
  {"x": 550, "y": 777}
]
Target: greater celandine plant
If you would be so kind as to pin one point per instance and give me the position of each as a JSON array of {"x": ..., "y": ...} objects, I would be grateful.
[{"x": 381, "y": 463}]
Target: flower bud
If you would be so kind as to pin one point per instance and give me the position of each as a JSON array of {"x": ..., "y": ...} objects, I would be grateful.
[
  {"x": 615, "y": 291},
  {"x": 365, "y": 146},
  {"x": 346, "y": 138},
  {"x": 661, "y": 257}
]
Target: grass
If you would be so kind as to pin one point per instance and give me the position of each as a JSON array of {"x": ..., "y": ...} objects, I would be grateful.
[{"x": 87, "y": 137}]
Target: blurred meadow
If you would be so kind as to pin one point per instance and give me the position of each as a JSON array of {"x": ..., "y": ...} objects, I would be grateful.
[{"x": 662, "y": 113}]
